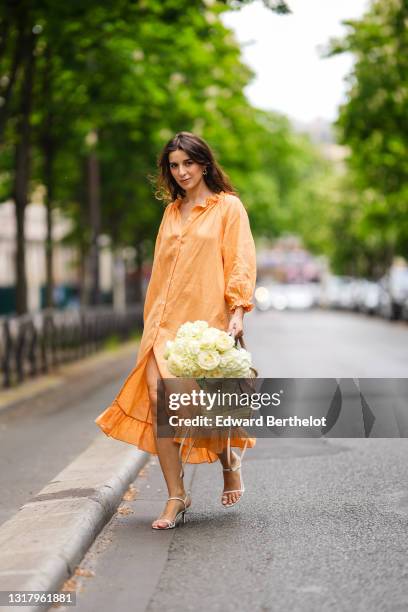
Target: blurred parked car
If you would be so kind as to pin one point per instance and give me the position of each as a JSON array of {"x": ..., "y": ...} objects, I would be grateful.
[
  {"x": 369, "y": 297},
  {"x": 337, "y": 292},
  {"x": 357, "y": 293},
  {"x": 393, "y": 293},
  {"x": 404, "y": 311},
  {"x": 281, "y": 296}
]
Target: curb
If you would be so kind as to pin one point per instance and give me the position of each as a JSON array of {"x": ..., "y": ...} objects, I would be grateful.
[{"x": 41, "y": 545}]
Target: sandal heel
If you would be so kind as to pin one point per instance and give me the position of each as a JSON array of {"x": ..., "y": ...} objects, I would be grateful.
[{"x": 180, "y": 516}]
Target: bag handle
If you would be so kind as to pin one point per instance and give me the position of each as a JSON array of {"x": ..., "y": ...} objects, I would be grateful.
[{"x": 239, "y": 340}]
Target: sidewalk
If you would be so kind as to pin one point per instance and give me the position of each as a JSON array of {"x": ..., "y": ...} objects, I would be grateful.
[
  {"x": 41, "y": 545},
  {"x": 77, "y": 377}
]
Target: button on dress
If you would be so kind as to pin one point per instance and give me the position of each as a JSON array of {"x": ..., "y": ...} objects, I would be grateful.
[{"x": 202, "y": 269}]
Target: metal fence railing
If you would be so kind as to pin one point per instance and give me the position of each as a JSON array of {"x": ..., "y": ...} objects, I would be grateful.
[{"x": 34, "y": 344}]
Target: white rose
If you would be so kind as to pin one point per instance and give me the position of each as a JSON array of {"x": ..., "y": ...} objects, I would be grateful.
[
  {"x": 191, "y": 369},
  {"x": 235, "y": 363},
  {"x": 179, "y": 365},
  {"x": 229, "y": 358},
  {"x": 242, "y": 371},
  {"x": 208, "y": 360},
  {"x": 180, "y": 345},
  {"x": 209, "y": 338},
  {"x": 224, "y": 342},
  {"x": 245, "y": 356},
  {"x": 192, "y": 330},
  {"x": 192, "y": 348},
  {"x": 198, "y": 328},
  {"x": 184, "y": 330},
  {"x": 175, "y": 364}
]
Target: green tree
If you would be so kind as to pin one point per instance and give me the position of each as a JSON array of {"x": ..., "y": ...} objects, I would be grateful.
[
  {"x": 374, "y": 124},
  {"x": 113, "y": 70}
]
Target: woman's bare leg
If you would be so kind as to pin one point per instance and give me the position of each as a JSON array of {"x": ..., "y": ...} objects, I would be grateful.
[
  {"x": 167, "y": 450},
  {"x": 232, "y": 480}
]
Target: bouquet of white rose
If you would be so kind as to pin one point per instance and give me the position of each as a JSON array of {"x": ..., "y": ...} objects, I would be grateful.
[
  {"x": 200, "y": 351},
  {"x": 206, "y": 354}
]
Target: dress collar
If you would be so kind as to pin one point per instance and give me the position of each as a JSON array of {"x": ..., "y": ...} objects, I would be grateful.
[{"x": 209, "y": 200}]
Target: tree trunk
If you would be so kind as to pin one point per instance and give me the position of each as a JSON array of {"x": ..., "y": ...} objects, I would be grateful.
[
  {"x": 18, "y": 59},
  {"x": 83, "y": 246},
  {"x": 5, "y": 28},
  {"x": 95, "y": 222},
  {"x": 22, "y": 167},
  {"x": 48, "y": 147},
  {"x": 49, "y": 177},
  {"x": 82, "y": 276}
]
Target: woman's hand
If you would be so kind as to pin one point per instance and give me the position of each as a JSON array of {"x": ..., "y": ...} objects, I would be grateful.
[{"x": 236, "y": 325}]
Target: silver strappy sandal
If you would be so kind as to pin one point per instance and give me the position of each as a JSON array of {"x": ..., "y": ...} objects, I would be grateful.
[
  {"x": 182, "y": 514},
  {"x": 234, "y": 469},
  {"x": 241, "y": 490}
]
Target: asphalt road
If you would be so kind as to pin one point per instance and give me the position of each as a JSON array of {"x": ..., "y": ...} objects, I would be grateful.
[
  {"x": 320, "y": 344},
  {"x": 323, "y": 522}
]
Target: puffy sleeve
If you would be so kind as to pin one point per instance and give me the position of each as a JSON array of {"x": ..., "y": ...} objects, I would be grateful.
[{"x": 239, "y": 255}]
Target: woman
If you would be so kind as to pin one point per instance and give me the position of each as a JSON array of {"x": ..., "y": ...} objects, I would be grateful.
[{"x": 204, "y": 268}]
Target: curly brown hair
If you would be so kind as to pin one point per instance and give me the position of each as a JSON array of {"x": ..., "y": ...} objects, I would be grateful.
[{"x": 200, "y": 152}]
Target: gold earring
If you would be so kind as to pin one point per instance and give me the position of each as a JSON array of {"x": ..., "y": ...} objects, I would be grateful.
[{"x": 205, "y": 171}]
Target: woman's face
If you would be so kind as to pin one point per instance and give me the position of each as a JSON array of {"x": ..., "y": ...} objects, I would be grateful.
[{"x": 185, "y": 171}]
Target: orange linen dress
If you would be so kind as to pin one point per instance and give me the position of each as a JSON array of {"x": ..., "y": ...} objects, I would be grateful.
[{"x": 202, "y": 269}]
